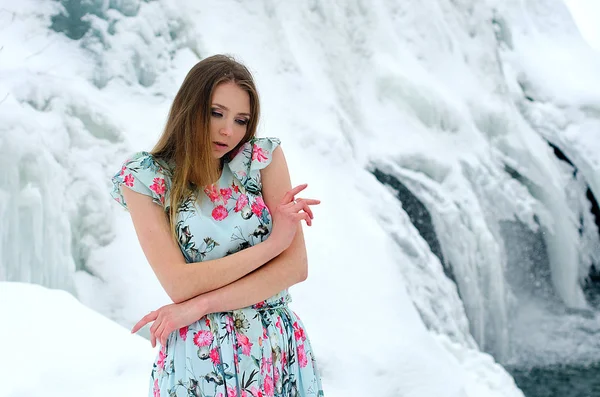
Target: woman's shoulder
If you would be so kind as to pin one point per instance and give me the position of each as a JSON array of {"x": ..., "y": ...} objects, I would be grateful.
[
  {"x": 144, "y": 173},
  {"x": 271, "y": 140},
  {"x": 254, "y": 155},
  {"x": 262, "y": 149},
  {"x": 147, "y": 162}
]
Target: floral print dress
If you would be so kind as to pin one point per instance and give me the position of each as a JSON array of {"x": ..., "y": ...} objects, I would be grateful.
[{"x": 257, "y": 351}]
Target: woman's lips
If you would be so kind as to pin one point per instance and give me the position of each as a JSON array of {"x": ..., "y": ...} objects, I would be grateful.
[{"x": 220, "y": 146}]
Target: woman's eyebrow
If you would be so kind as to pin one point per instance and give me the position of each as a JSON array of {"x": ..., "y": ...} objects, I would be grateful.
[{"x": 226, "y": 108}]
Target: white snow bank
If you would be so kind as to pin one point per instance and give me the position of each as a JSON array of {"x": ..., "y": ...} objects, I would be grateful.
[
  {"x": 52, "y": 345},
  {"x": 55, "y": 346}
]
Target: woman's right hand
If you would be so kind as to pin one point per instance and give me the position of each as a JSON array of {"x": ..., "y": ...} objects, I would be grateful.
[{"x": 287, "y": 215}]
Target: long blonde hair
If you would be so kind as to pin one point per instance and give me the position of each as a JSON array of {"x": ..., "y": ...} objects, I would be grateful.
[{"x": 186, "y": 140}]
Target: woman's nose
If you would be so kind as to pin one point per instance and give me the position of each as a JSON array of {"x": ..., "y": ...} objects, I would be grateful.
[{"x": 227, "y": 128}]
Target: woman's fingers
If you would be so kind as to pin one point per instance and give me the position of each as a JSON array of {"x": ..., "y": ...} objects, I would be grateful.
[
  {"x": 153, "y": 338},
  {"x": 289, "y": 196},
  {"x": 306, "y": 204},
  {"x": 303, "y": 215},
  {"x": 166, "y": 333},
  {"x": 308, "y": 220},
  {"x": 163, "y": 338},
  {"x": 158, "y": 330},
  {"x": 139, "y": 325},
  {"x": 303, "y": 204},
  {"x": 154, "y": 326},
  {"x": 301, "y": 201},
  {"x": 145, "y": 320},
  {"x": 162, "y": 333}
]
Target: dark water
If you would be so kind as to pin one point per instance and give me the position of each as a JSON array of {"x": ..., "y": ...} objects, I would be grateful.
[{"x": 559, "y": 380}]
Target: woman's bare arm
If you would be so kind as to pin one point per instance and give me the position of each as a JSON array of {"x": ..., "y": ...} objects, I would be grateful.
[
  {"x": 182, "y": 280},
  {"x": 285, "y": 270}
]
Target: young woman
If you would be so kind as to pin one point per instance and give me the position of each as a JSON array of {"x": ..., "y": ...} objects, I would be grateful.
[{"x": 218, "y": 220}]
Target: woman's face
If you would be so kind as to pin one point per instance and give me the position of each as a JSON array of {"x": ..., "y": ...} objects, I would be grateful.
[{"x": 229, "y": 116}]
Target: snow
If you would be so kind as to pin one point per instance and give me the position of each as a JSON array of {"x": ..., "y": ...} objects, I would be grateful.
[
  {"x": 585, "y": 13},
  {"x": 454, "y": 100},
  {"x": 59, "y": 347},
  {"x": 55, "y": 346}
]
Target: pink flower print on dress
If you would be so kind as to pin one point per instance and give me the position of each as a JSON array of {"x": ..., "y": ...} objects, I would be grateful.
[
  {"x": 219, "y": 213},
  {"x": 244, "y": 343},
  {"x": 229, "y": 324},
  {"x": 128, "y": 180},
  {"x": 235, "y": 187},
  {"x": 302, "y": 360},
  {"x": 219, "y": 394},
  {"x": 266, "y": 365},
  {"x": 278, "y": 325},
  {"x": 158, "y": 186},
  {"x": 122, "y": 170},
  {"x": 203, "y": 338},
  {"x": 156, "y": 389},
  {"x": 212, "y": 193},
  {"x": 299, "y": 332},
  {"x": 161, "y": 359},
  {"x": 260, "y": 201},
  {"x": 268, "y": 385},
  {"x": 183, "y": 332},
  {"x": 257, "y": 206},
  {"x": 241, "y": 202},
  {"x": 276, "y": 375},
  {"x": 214, "y": 356},
  {"x": 256, "y": 392},
  {"x": 226, "y": 194},
  {"x": 259, "y": 154},
  {"x": 231, "y": 392}
]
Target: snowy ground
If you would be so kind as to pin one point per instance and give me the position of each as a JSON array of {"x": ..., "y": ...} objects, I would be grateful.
[{"x": 55, "y": 346}]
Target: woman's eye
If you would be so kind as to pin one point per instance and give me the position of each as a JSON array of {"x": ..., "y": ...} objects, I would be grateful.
[
  {"x": 216, "y": 114},
  {"x": 242, "y": 121}
]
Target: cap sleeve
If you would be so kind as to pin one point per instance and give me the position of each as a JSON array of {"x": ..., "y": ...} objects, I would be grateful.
[
  {"x": 250, "y": 158},
  {"x": 144, "y": 174}
]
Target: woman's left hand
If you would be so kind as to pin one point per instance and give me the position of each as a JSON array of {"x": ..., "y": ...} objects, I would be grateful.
[{"x": 169, "y": 318}]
